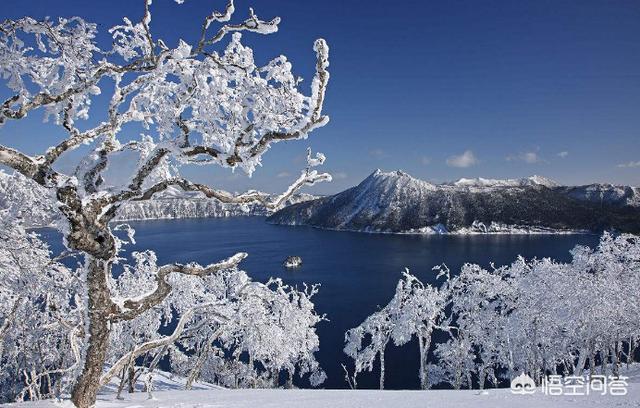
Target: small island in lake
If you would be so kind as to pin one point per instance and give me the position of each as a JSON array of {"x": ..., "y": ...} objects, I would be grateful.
[{"x": 292, "y": 262}]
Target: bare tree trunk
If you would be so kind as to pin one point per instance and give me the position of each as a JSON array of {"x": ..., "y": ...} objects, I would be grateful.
[
  {"x": 197, "y": 368},
  {"x": 86, "y": 388},
  {"x": 253, "y": 377},
  {"x": 482, "y": 376},
  {"x": 121, "y": 385},
  {"x": 131, "y": 378},
  {"x": 423, "y": 380},
  {"x": 48, "y": 386},
  {"x": 382, "y": 368},
  {"x": 592, "y": 361},
  {"x": 157, "y": 358},
  {"x": 424, "y": 342},
  {"x": 582, "y": 360},
  {"x": 615, "y": 362},
  {"x": 289, "y": 379}
]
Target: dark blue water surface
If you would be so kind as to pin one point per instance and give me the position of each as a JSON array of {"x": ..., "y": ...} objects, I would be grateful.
[{"x": 357, "y": 271}]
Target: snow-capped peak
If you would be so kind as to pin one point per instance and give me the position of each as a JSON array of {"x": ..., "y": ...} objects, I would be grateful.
[
  {"x": 393, "y": 178},
  {"x": 534, "y": 180},
  {"x": 543, "y": 181},
  {"x": 379, "y": 176}
]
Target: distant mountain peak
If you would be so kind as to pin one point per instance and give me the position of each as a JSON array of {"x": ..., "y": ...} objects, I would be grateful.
[
  {"x": 477, "y": 182},
  {"x": 534, "y": 180},
  {"x": 397, "y": 202},
  {"x": 394, "y": 180},
  {"x": 543, "y": 181},
  {"x": 396, "y": 173}
]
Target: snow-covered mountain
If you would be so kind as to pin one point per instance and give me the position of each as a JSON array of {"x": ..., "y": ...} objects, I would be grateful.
[
  {"x": 35, "y": 205},
  {"x": 397, "y": 202}
]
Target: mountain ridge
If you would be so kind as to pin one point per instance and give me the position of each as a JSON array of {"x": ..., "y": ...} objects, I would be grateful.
[{"x": 397, "y": 202}]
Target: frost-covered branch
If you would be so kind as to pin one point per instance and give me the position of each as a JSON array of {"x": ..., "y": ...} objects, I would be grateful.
[
  {"x": 314, "y": 118},
  {"x": 252, "y": 24},
  {"x": 148, "y": 346},
  {"x": 308, "y": 177},
  {"x": 19, "y": 161},
  {"x": 131, "y": 308}
]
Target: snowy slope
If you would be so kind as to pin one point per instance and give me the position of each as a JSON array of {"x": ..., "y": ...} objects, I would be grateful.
[{"x": 397, "y": 202}]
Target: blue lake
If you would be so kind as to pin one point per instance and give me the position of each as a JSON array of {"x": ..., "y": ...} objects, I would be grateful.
[{"x": 357, "y": 271}]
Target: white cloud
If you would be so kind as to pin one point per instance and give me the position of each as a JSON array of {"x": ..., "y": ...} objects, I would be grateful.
[
  {"x": 527, "y": 157},
  {"x": 339, "y": 175},
  {"x": 425, "y": 160},
  {"x": 466, "y": 159},
  {"x": 563, "y": 155},
  {"x": 283, "y": 174},
  {"x": 377, "y": 153},
  {"x": 630, "y": 164}
]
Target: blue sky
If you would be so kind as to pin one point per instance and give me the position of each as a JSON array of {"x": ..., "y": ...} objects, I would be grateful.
[{"x": 441, "y": 89}]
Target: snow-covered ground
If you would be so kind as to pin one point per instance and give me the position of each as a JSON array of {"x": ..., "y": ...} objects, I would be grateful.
[
  {"x": 353, "y": 399},
  {"x": 170, "y": 394}
]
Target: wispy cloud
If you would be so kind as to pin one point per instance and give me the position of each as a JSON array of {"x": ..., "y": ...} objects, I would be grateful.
[
  {"x": 466, "y": 159},
  {"x": 563, "y": 155},
  {"x": 425, "y": 161},
  {"x": 527, "y": 157},
  {"x": 339, "y": 175},
  {"x": 377, "y": 153},
  {"x": 283, "y": 174},
  {"x": 629, "y": 165}
]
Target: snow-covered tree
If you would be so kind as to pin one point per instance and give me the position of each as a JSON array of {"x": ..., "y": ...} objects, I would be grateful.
[
  {"x": 41, "y": 317},
  {"x": 272, "y": 325},
  {"x": 535, "y": 316},
  {"x": 369, "y": 341},
  {"x": 546, "y": 317},
  {"x": 416, "y": 309},
  {"x": 199, "y": 103},
  {"x": 420, "y": 311}
]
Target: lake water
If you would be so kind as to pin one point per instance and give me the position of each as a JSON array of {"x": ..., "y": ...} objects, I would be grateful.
[{"x": 357, "y": 271}]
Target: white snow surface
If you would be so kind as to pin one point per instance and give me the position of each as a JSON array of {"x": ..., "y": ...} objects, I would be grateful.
[
  {"x": 170, "y": 393},
  {"x": 278, "y": 398}
]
